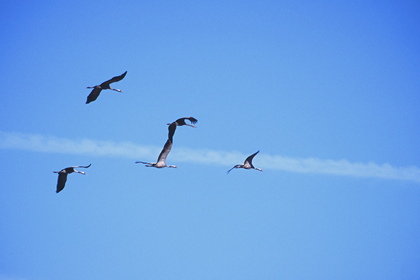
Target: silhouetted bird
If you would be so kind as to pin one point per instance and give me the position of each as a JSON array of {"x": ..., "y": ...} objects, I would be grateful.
[
  {"x": 62, "y": 175},
  {"x": 247, "y": 163},
  {"x": 105, "y": 85}
]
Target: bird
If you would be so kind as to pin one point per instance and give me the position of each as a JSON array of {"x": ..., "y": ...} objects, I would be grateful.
[
  {"x": 179, "y": 122},
  {"x": 105, "y": 85},
  {"x": 247, "y": 163},
  {"x": 62, "y": 175},
  {"x": 161, "y": 162}
]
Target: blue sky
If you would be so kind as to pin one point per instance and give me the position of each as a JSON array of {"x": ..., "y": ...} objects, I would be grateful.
[{"x": 326, "y": 90}]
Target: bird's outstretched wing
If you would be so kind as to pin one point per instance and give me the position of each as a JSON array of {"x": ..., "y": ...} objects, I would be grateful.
[
  {"x": 249, "y": 159},
  {"x": 165, "y": 151},
  {"x": 181, "y": 121},
  {"x": 93, "y": 94},
  {"x": 82, "y": 166},
  {"x": 192, "y": 120},
  {"x": 236, "y": 166},
  {"x": 61, "y": 182},
  {"x": 114, "y": 79},
  {"x": 171, "y": 131}
]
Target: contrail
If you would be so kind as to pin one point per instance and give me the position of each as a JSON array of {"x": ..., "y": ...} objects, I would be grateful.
[{"x": 50, "y": 144}]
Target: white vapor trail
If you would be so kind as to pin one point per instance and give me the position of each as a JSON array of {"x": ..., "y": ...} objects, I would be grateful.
[{"x": 49, "y": 144}]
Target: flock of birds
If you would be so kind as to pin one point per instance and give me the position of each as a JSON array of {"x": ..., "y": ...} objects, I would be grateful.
[{"x": 161, "y": 161}]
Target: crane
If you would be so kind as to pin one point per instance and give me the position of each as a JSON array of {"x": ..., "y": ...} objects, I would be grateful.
[
  {"x": 247, "y": 163},
  {"x": 105, "y": 85},
  {"x": 62, "y": 175}
]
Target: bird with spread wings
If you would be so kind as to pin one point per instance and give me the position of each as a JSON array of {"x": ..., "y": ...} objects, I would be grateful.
[{"x": 105, "y": 85}]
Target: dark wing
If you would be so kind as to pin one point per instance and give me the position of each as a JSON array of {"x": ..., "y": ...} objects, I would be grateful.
[
  {"x": 249, "y": 159},
  {"x": 181, "y": 121},
  {"x": 171, "y": 131},
  {"x": 192, "y": 120},
  {"x": 61, "y": 182},
  {"x": 236, "y": 166},
  {"x": 82, "y": 166},
  {"x": 115, "y": 79},
  {"x": 93, "y": 94},
  {"x": 165, "y": 151}
]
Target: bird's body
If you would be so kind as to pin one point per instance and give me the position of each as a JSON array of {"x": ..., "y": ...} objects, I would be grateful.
[
  {"x": 105, "y": 85},
  {"x": 247, "y": 163},
  {"x": 179, "y": 122},
  {"x": 161, "y": 162},
  {"x": 62, "y": 175}
]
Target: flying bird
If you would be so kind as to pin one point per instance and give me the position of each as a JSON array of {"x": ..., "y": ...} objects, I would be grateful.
[
  {"x": 161, "y": 162},
  {"x": 247, "y": 163},
  {"x": 62, "y": 175},
  {"x": 179, "y": 122},
  {"x": 105, "y": 85}
]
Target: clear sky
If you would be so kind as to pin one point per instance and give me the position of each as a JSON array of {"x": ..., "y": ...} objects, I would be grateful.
[{"x": 328, "y": 91}]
